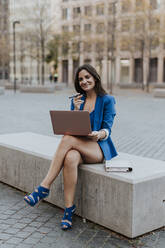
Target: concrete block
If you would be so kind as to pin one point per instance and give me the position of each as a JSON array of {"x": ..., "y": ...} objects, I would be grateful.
[
  {"x": 2, "y": 90},
  {"x": 10, "y": 86},
  {"x": 129, "y": 203},
  {"x": 130, "y": 85},
  {"x": 37, "y": 88},
  {"x": 159, "y": 93},
  {"x": 157, "y": 85}
]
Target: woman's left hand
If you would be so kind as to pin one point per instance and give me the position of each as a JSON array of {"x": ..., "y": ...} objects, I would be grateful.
[{"x": 95, "y": 135}]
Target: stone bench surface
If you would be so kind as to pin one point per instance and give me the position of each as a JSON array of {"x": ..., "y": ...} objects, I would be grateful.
[
  {"x": 159, "y": 92},
  {"x": 129, "y": 203},
  {"x": 45, "y": 147},
  {"x": 37, "y": 88}
]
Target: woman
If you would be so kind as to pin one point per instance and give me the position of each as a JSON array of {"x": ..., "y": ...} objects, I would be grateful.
[{"x": 74, "y": 150}]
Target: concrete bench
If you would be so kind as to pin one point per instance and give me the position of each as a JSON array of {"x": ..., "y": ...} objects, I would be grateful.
[
  {"x": 131, "y": 204},
  {"x": 37, "y": 88},
  {"x": 159, "y": 93}
]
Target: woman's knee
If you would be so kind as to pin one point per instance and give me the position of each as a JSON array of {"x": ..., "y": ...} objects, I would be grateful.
[
  {"x": 72, "y": 158},
  {"x": 68, "y": 139}
]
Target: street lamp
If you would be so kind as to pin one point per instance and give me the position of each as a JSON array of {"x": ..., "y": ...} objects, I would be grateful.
[
  {"x": 110, "y": 84},
  {"x": 14, "y": 54}
]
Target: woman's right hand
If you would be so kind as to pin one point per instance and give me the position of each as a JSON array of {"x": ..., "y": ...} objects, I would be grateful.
[{"x": 77, "y": 102}]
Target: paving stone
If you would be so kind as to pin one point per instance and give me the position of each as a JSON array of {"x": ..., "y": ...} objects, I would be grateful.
[
  {"x": 44, "y": 229},
  {"x": 29, "y": 229},
  {"x": 10, "y": 221},
  {"x": 22, "y": 234},
  {"x": 19, "y": 225},
  {"x": 30, "y": 240},
  {"x": 22, "y": 245},
  {"x": 36, "y": 224},
  {"x": 7, "y": 245},
  {"x": 14, "y": 240},
  {"x": 5, "y": 236},
  {"x": 37, "y": 235},
  {"x": 4, "y": 226},
  {"x": 25, "y": 220}
]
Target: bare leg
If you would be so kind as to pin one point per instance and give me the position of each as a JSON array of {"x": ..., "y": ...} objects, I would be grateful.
[
  {"x": 88, "y": 149},
  {"x": 71, "y": 162}
]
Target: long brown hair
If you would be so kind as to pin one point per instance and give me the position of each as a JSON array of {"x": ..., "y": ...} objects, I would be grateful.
[{"x": 98, "y": 87}]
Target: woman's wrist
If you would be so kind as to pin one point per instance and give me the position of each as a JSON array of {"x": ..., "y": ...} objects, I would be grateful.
[
  {"x": 102, "y": 134},
  {"x": 105, "y": 134}
]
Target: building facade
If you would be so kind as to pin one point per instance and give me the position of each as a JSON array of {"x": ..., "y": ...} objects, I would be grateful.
[
  {"x": 32, "y": 32},
  {"x": 123, "y": 39},
  {"x": 4, "y": 40}
]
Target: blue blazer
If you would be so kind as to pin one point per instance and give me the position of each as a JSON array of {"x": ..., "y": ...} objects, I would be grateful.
[{"x": 103, "y": 118}]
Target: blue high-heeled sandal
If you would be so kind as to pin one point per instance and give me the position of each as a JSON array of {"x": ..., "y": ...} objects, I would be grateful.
[
  {"x": 36, "y": 196},
  {"x": 66, "y": 222}
]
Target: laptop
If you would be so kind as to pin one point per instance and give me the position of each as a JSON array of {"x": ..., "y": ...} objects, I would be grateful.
[{"x": 71, "y": 122}]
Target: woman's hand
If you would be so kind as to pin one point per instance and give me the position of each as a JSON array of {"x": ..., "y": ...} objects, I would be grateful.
[
  {"x": 95, "y": 135},
  {"x": 77, "y": 102}
]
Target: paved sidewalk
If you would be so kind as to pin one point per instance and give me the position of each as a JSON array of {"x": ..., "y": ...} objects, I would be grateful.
[{"x": 138, "y": 129}]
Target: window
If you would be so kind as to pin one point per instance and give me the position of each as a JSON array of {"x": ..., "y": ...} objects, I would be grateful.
[
  {"x": 65, "y": 14},
  {"x": 139, "y": 44},
  {"x": 88, "y": 10},
  {"x": 155, "y": 4},
  {"x": 65, "y": 28},
  {"x": 87, "y": 28},
  {"x": 124, "y": 46},
  {"x": 76, "y": 47},
  {"x": 125, "y": 25},
  {"x": 154, "y": 42},
  {"x": 100, "y": 28},
  {"x": 111, "y": 27},
  {"x": 65, "y": 48},
  {"x": 100, "y": 9},
  {"x": 112, "y": 8},
  {"x": 87, "y": 47},
  {"x": 76, "y": 12},
  {"x": 139, "y": 5},
  {"x": 99, "y": 47},
  {"x": 126, "y": 6},
  {"x": 155, "y": 24},
  {"x": 139, "y": 25},
  {"x": 76, "y": 29}
]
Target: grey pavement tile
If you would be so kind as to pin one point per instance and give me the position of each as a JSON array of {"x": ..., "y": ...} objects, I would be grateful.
[
  {"x": 9, "y": 212},
  {"x": 10, "y": 221},
  {"x": 7, "y": 245},
  {"x": 11, "y": 230},
  {"x": 22, "y": 234},
  {"x": 49, "y": 240},
  {"x": 44, "y": 229},
  {"x": 4, "y": 226},
  {"x": 4, "y": 217},
  {"x": 42, "y": 245},
  {"x": 22, "y": 245},
  {"x": 19, "y": 225},
  {"x": 30, "y": 240},
  {"x": 14, "y": 240},
  {"x": 37, "y": 235},
  {"x": 36, "y": 224},
  {"x": 5, "y": 236},
  {"x": 29, "y": 229},
  {"x": 25, "y": 220}
]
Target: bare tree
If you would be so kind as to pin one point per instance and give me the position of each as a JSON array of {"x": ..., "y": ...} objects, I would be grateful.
[{"x": 39, "y": 33}]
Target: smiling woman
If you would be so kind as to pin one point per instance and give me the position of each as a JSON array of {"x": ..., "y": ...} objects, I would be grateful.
[{"x": 74, "y": 150}]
